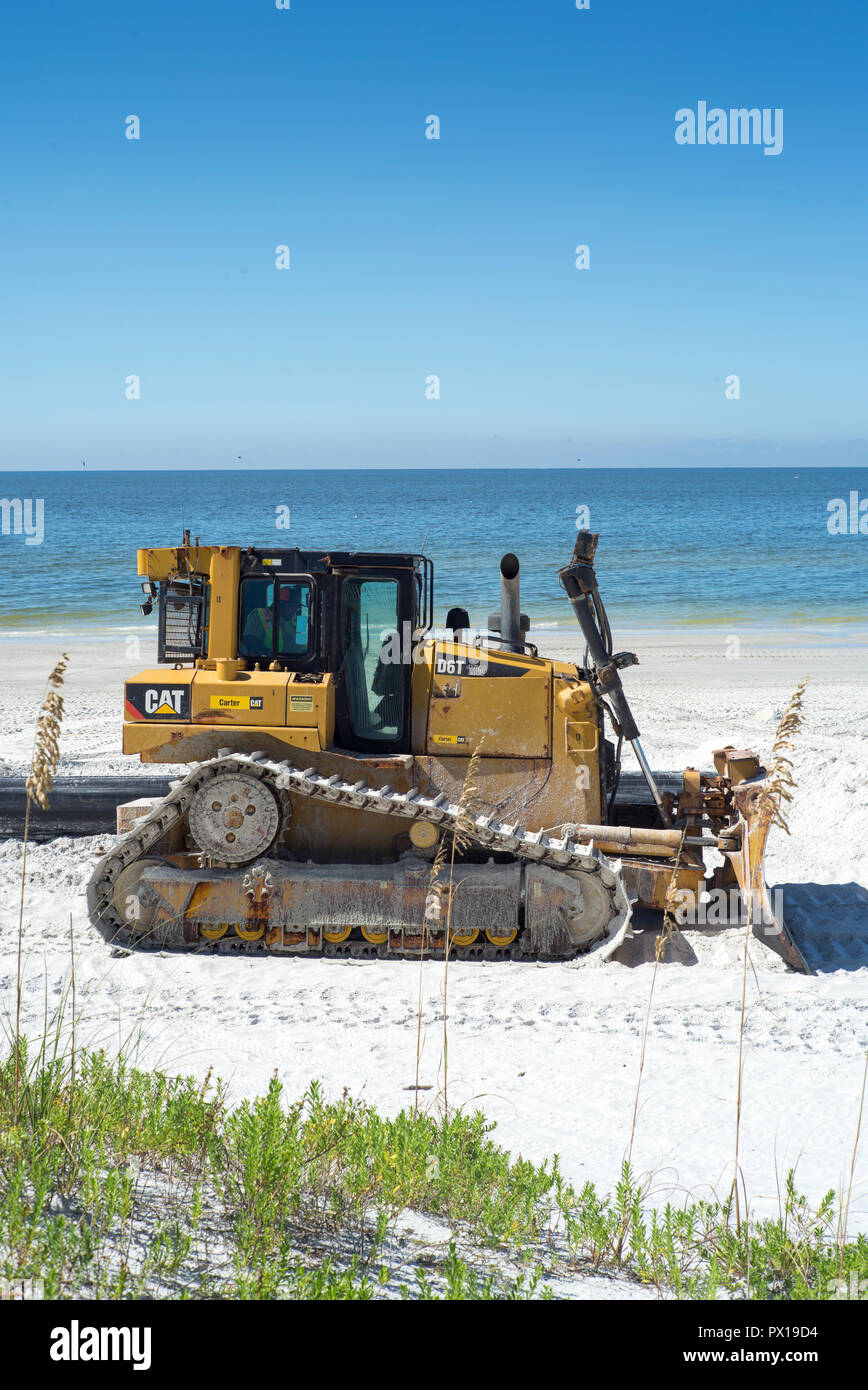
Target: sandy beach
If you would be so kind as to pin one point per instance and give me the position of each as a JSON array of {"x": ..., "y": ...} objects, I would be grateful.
[{"x": 550, "y": 1052}]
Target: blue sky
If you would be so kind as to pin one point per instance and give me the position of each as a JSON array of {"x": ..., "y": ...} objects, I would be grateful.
[{"x": 412, "y": 257}]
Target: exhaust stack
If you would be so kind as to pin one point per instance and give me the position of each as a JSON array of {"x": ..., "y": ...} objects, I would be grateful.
[
  {"x": 510, "y": 603},
  {"x": 510, "y": 622}
]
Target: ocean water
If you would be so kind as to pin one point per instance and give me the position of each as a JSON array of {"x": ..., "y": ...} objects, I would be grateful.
[{"x": 677, "y": 547}]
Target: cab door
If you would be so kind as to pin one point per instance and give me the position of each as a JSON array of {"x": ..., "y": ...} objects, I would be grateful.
[{"x": 373, "y": 686}]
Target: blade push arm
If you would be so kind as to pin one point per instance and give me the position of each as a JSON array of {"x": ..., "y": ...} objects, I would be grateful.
[{"x": 580, "y": 581}]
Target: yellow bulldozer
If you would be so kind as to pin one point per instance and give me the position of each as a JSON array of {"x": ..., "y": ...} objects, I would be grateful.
[{"x": 327, "y": 728}]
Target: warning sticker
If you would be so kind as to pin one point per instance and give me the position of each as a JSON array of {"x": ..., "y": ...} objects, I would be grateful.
[
  {"x": 236, "y": 702},
  {"x": 301, "y": 702}
]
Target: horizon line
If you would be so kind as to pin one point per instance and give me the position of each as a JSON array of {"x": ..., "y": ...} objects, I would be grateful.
[{"x": 469, "y": 468}]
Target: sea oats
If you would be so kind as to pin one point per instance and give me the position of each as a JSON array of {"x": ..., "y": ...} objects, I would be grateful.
[
  {"x": 46, "y": 745},
  {"x": 779, "y": 782},
  {"x": 43, "y": 765}
]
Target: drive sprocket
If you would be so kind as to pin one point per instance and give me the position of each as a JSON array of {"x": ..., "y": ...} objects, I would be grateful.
[{"x": 235, "y": 818}]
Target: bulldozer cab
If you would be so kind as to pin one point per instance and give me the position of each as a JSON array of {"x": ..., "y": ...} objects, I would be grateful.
[
  {"x": 352, "y": 614},
  {"x": 345, "y": 613}
]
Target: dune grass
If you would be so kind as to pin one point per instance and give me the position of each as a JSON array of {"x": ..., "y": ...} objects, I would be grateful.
[{"x": 122, "y": 1183}]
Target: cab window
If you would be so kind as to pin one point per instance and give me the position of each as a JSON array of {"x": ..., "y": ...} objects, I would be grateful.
[
  {"x": 275, "y": 618},
  {"x": 375, "y": 682}
]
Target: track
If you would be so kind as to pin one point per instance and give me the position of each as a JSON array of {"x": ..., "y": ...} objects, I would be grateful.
[{"x": 285, "y": 779}]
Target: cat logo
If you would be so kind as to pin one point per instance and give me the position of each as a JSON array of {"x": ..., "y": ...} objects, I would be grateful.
[
  {"x": 163, "y": 701},
  {"x": 157, "y": 702}
]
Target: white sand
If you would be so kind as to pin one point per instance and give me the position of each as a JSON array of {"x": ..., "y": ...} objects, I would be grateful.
[{"x": 549, "y": 1051}]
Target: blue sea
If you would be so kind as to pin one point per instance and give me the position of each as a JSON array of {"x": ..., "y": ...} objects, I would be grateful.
[{"x": 678, "y": 547}]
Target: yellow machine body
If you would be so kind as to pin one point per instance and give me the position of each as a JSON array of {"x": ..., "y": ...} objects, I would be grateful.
[{"x": 532, "y": 726}]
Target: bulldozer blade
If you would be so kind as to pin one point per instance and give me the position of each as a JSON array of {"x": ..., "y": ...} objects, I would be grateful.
[
  {"x": 605, "y": 949},
  {"x": 764, "y": 912}
]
